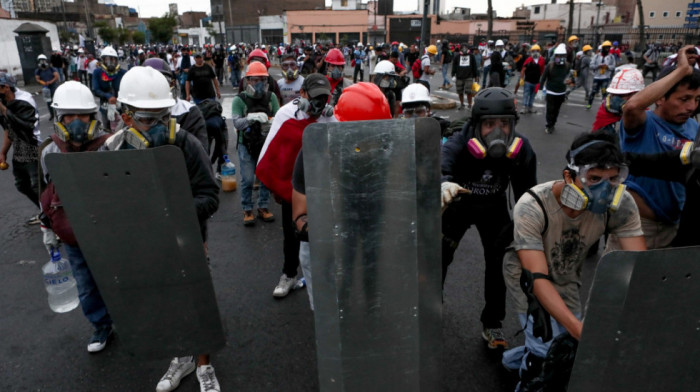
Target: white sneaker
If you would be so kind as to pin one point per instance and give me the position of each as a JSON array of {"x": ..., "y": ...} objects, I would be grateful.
[
  {"x": 207, "y": 379},
  {"x": 179, "y": 368},
  {"x": 284, "y": 286}
]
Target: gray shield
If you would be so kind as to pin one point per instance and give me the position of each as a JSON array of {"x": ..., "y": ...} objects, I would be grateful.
[
  {"x": 133, "y": 214},
  {"x": 642, "y": 325},
  {"x": 373, "y": 196}
]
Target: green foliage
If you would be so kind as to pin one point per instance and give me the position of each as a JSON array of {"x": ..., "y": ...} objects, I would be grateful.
[
  {"x": 162, "y": 28},
  {"x": 67, "y": 36},
  {"x": 107, "y": 33},
  {"x": 123, "y": 35},
  {"x": 138, "y": 37}
]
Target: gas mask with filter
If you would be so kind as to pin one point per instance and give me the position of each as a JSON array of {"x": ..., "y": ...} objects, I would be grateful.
[
  {"x": 257, "y": 90},
  {"x": 160, "y": 129},
  {"x": 599, "y": 193},
  {"x": 76, "y": 131},
  {"x": 499, "y": 142},
  {"x": 316, "y": 106}
]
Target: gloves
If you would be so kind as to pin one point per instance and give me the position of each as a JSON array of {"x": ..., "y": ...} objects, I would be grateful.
[
  {"x": 259, "y": 117},
  {"x": 111, "y": 112},
  {"x": 50, "y": 239},
  {"x": 449, "y": 192}
]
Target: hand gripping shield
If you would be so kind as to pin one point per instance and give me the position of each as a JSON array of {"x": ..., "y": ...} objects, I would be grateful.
[
  {"x": 373, "y": 197},
  {"x": 641, "y": 329},
  {"x": 133, "y": 215}
]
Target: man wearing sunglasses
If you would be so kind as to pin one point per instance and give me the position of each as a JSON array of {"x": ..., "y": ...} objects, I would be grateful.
[
  {"x": 479, "y": 164},
  {"x": 555, "y": 224}
]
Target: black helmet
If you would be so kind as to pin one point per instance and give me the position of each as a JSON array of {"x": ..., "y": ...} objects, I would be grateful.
[{"x": 493, "y": 101}]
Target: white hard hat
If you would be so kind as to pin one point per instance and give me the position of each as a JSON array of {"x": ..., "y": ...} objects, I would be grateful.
[
  {"x": 80, "y": 51},
  {"x": 75, "y": 47},
  {"x": 140, "y": 51},
  {"x": 41, "y": 57},
  {"x": 490, "y": 41},
  {"x": 499, "y": 43},
  {"x": 579, "y": 53},
  {"x": 359, "y": 44},
  {"x": 415, "y": 92},
  {"x": 385, "y": 67},
  {"x": 561, "y": 49},
  {"x": 109, "y": 51},
  {"x": 73, "y": 98},
  {"x": 145, "y": 88},
  {"x": 628, "y": 80}
]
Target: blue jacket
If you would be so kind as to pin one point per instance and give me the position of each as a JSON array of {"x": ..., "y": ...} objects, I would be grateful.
[{"x": 104, "y": 85}]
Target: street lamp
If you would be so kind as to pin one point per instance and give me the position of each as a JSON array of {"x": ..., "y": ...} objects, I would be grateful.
[{"x": 478, "y": 30}]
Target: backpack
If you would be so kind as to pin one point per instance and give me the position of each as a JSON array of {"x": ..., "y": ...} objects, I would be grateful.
[
  {"x": 417, "y": 69},
  {"x": 448, "y": 56}
]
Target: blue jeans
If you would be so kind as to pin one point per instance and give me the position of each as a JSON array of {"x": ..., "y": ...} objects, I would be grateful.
[
  {"x": 528, "y": 94},
  {"x": 598, "y": 84},
  {"x": 516, "y": 358},
  {"x": 487, "y": 71},
  {"x": 445, "y": 80},
  {"x": 235, "y": 77},
  {"x": 247, "y": 166},
  {"x": 91, "y": 301}
]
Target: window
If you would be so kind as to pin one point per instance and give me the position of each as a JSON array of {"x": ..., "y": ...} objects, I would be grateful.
[
  {"x": 652, "y": 14},
  {"x": 537, "y": 9},
  {"x": 665, "y": 14},
  {"x": 678, "y": 14},
  {"x": 343, "y": 3},
  {"x": 673, "y": 36},
  {"x": 661, "y": 36}
]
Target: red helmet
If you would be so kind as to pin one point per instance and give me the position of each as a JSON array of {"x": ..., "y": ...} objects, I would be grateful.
[
  {"x": 335, "y": 57},
  {"x": 362, "y": 102},
  {"x": 395, "y": 43},
  {"x": 261, "y": 54}
]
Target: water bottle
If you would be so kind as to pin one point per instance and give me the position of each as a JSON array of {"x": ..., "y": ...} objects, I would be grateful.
[
  {"x": 228, "y": 175},
  {"x": 60, "y": 284},
  {"x": 46, "y": 93},
  {"x": 300, "y": 284}
]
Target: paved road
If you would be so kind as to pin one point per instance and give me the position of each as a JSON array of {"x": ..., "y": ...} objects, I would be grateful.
[{"x": 270, "y": 342}]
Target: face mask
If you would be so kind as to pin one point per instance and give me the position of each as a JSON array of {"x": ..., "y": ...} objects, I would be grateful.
[
  {"x": 495, "y": 145},
  {"x": 257, "y": 90},
  {"x": 155, "y": 136},
  {"x": 614, "y": 103},
  {"x": 535, "y": 55},
  {"x": 76, "y": 131},
  {"x": 291, "y": 74},
  {"x": 387, "y": 83},
  {"x": 559, "y": 60},
  {"x": 597, "y": 198},
  {"x": 336, "y": 74},
  {"x": 43, "y": 64},
  {"x": 574, "y": 45},
  {"x": 605, "y": 51}
]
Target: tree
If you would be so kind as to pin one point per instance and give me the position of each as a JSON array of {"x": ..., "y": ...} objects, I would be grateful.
[
  {"x": 66, "y": 36},
  {"x": 570, "y": 27},
  {"x": 139, "y": 37},
  {"x": 162, "y": 28},
  {"x": 489, "y": 32},
  {"x": 123, "y": 35},
  {"x": 107, "y": 33},
  {"x": 642, "y": 35}
]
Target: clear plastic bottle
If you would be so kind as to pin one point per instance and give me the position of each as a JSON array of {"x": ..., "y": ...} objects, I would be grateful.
[
  {"x": 60, "y": 284},
  {"x": 228, "y": 175},
  {"x": 46, "y": 93}
]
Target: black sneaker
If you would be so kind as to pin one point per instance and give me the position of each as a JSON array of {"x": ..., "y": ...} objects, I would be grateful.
[
  {"x": 99, "y": 339},
  {"x": 548, "y": 130},
  {"x": 34, "y": 220}
]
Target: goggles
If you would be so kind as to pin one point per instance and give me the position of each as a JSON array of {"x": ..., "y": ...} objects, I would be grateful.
[
  {"x": 417, "y": 111},
  {"x": 256, "y": 79},
  {"x": 589, "y": 179},
  {"x": 289, "y": 64},
  {"x": 149, "y": 119}
]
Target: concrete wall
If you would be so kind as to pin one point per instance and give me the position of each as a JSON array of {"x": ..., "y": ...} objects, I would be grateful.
[
  {"x": 658, "y": 7},
  {"x": 331, "y": 23},
  {"x": 582, "y": 11},
  {"x": 8, "y": 46}
]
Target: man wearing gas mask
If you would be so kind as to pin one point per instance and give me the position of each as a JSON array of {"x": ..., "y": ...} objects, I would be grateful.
[
  {"x": 416, "y": 104},
  {"x": 48, "y": 77},
  {"x": 479, "y": 163},
  {"x": 603, "y": 68},
  {"x": 105, "y": 85},
  {"x": 386, "y": 78},
  {"x": 553, "y": 83},
  {"x": 277, "y": 162},
  {"x": 76, "y": 130},
  {"x": 291, "y": 81},
  {"x": 555, "y": 224},
  {"x": 146, "y": 101},
  {"x": 623, "y": 86},
  {"x": 335, "y": 66},
  {"x": 251, "y": 113}
]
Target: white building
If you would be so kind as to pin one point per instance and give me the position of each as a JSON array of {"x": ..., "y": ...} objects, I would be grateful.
[
  {"x": 344, "y": 5},
  {"x": 584, "y": 13},
  {"x": 273, "y": 29},
  {"x": 10, "y": 59}
]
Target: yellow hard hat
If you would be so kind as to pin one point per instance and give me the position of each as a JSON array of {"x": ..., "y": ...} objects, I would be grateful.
[
  {"x": 586, "y": 48},
  {"x": 535, "y": 47},
  {"x": 606, "y": 43},
  {"x": 573, "y": 37},
  {"x": 432, "y": 49}
]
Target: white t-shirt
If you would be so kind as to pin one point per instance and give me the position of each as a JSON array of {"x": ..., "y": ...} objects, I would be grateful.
[
  {"x": 290, "y": 90},
  {"x": 81, "y": 62},
  {"x": 425, "y": 62},
  {"x": 92, "y": 65}
]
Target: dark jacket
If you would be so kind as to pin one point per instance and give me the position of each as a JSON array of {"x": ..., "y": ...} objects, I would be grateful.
[
  {"x": 19, "y": 120},
  {"x": 487, "y": 178},
  {"x": 193, "y": 121},
  {"x": 467, "y": 71},
  {"x": 554, "y": 77},
  {"x": 106, "y": 86}
]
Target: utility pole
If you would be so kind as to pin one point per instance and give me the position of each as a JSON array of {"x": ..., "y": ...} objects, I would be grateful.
[
  {"x": 423, "y": 29},
  {"x": 597, "y": 23}
]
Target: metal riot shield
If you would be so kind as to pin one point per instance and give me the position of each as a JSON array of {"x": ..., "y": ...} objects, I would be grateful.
[
  {"x": 641, "y": 331},
  {"x": 133, "y": 215},
  {"x": 373, "y": 197}
]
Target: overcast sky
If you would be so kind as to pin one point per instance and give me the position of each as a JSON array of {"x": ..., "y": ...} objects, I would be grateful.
[{"x": 159, "y": 7}]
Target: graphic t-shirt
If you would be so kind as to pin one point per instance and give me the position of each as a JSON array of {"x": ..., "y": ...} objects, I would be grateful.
[
  {"x": 565, "y": 243},
  {"x": 290, "y": 90}
]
